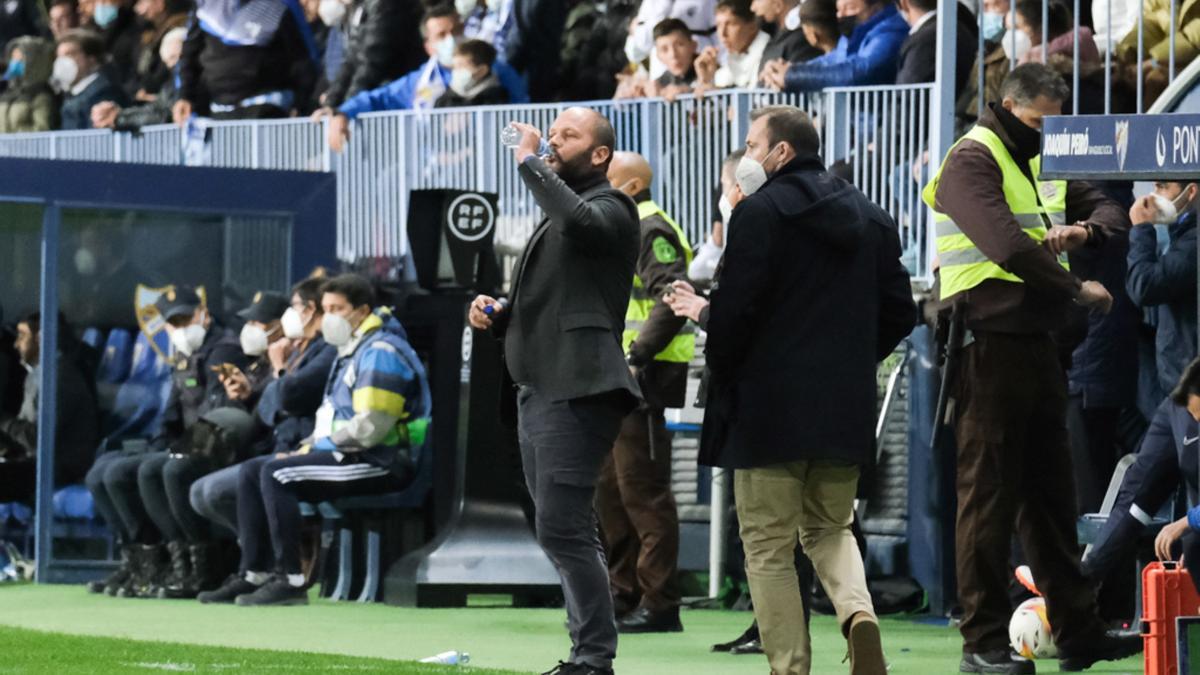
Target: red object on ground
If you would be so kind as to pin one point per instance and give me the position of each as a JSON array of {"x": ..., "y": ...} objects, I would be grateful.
[{"x": 1167, "y": 593}]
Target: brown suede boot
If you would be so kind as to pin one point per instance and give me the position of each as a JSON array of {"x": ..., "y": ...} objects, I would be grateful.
[{"x": 866, "y": 647}]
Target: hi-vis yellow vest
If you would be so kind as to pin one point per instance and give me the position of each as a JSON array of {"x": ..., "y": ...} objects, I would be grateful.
[
  {"x": 683, "y": 346},
  {"x": 963, "y": 266}
]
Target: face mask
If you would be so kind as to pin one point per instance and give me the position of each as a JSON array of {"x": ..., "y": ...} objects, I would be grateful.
[
  {"x": 293, "y": 324},
  {"x": 726, "y": 210},
  {"x": 85, "y": 262},
  {"x": 187, "y": 340},
  {"x": 465, "y": 7},
  {"x": 104, "y": 15},
  {"x": 847, "y": 24},
  {"x": 66, "y": 71},
  {"x": 332, "y": 12},
  {"x": 792, "y": 20},
  {"x": 460, "y": 81},
  {"x": 1023, "y": 44},
  {"x": 993, "y": 25},
  {"x": 254, "y": 340},
  {"x": 751, "y": 174},
  {"x": 444, "y": 51},
  {"x": 494, "y": 5},
  {"x": 15, "y": 69},
  {"x": 337, "y": 330},
  {"x": 633, "y": 51},
  {"x": 1168, "y": 210}
]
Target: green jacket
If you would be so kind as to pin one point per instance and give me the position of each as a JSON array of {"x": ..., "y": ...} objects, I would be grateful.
[{"x": 30, "y": 104}]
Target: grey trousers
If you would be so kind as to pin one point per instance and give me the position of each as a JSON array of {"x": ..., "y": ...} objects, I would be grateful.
[
  {"x": 563, "y": 445},
  {"x": 215, "y": 497}
]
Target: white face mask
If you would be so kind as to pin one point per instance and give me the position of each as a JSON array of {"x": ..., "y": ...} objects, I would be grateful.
[
  {"x": 293, "y": 324},
  {"x": 188, "y": 339},
  {"x": 751, "y": 174},
  {"x": 465, "y": 7},
  {"x": 65, "y": 73},
  {"x": 1022, "y": 47},
  {"x": 1168, "y": 209},
  {"x": 337, "y": 330},
  {"x": 444, "y": 51},
  {"x": 494, "y": 5},
  {"x": 85, "y": 262},
  {"x": 461, "y": 80},
  {"x": 332, "y": 12},
  {"x": 726, "y": 210},
  {"x": 254, "y": 340}
]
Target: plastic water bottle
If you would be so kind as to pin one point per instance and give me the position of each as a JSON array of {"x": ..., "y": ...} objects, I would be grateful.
[
  {"x": 510, "y": 137},
  {"x": 449, "y": 659}
]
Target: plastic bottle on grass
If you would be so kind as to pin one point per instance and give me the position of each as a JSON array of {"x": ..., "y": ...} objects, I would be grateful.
[{"x": 449, "y": 659}]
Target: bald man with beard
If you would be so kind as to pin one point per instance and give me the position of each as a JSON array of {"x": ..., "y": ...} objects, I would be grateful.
[
  {"x": 561, "y": 326},
  {"x": 638, "y": 519}
]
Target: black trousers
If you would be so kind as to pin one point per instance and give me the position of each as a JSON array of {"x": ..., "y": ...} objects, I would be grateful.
[
  {"x": 113, "y": 482},
  {"x": 1094, "y": 434},
  {"x": 164, "y": 483},
  {"x": 563, "y": 445},
  {"x": 18, "y": 481},
  {"x": 269, "y": 494}
]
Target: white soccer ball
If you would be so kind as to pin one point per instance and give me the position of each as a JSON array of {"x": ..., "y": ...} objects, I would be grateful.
[{"x": 1029, "y": 631}]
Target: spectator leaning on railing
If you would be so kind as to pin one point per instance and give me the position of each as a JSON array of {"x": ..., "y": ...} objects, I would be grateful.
[
  {"x": 29, "y": 104},
  {"x": 676, "y": 50},
  {"x": 109, "y": 115},
  {"x": 743, "y": 43},
  {"x": 419, "y": 89},
  {"x": 79, "y": 75},
  {"x": 872, "y": 32},
  {"x": 246, "y": 60},
  {"x": 697, "y": 16},
  {"x": 788, "y": 42}
]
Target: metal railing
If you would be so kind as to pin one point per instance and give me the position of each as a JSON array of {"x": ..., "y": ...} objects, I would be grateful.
[{"x": 872, "y": 135}]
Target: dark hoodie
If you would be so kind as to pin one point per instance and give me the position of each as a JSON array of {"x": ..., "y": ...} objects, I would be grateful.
[{"x": 810, "y": 296}]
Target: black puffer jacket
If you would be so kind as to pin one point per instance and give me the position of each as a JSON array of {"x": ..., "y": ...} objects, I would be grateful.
[{"x": 385, "y": 43}]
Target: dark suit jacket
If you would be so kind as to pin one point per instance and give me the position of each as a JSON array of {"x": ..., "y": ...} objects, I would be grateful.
[
  {"x": 918, "y": 54},
  {"x": 77, "y": 110},
  {"x": 571, "y": 289}
]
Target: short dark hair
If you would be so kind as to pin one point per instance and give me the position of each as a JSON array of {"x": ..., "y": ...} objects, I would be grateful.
[
  {"x": 1026, "y": 83},
  {"x": 790, "y": 125},
  {"x": 1189, "y": 384},
  {"x": 479, "y": 52},
  {"x": 669, "y": 26},
  {"x": 1058, "y": 17},
  {"x": 355, "y": 288},
  {"x": 441, "y": 11},
  {"x": 819, "y": 14},
  {"x": 738, "y": 8},
  {"x": 927, "y": 5},
  {"x": 310, "y": 290},
  {"x": 89, "y": 42}
]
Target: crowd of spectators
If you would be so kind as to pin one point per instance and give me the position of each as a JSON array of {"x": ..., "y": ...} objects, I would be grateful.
[{"x": 77, "y": 64}]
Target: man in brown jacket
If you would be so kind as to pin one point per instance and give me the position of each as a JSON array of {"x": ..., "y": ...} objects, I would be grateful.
[
  {"x": 633, "y": 497},
  {"x": 1001, "y": 235}
]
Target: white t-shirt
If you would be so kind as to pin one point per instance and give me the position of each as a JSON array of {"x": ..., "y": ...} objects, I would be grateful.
[
  {"x": 741, "y": 70},
  {"x": 699, "y": 15}
]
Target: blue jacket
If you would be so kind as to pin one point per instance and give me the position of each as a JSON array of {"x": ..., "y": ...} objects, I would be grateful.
[
  {"x": 1168, "y": 284},
  {"x": 868, "y": 56},
  {"x": 1104, "y": 367},
  {"x": 77, "y": 110},
  {"x": 399, "y": 94},
  {"x": 382, "y": 374},
  {"x": 289, "y": 403}
]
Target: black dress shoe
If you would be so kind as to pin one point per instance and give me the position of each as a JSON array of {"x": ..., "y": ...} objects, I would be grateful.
[
  {"x": 751, "y": 647},
  {"x": 996, "y": 661},
  {"x": 564, "y": 668},
  {"x": 642, "y": 620},
  {"x": 1113, "y": 646},
  {"x": 750, "y": 635}
]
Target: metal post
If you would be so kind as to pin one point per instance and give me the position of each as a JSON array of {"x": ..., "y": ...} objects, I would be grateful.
[
  {"x": 1140, "y": 52},
  {"x": 1046, "y": 28},
  {"x": 717, "y": 528},
  {"x": 941, "y": 126},
  {"x": 1108, "y": 40},
  {"x": 1171, "y": 58},
  {"x": 1075, "y": 51},
  {"x": 48, "y": 393},
  {"x": 981, "y": 68}
]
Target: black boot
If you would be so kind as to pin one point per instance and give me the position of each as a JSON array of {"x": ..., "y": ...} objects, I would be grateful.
[
  {"x": 996, "y": 661},
  {"x": 154, "y": 570},
  {"x": 112, "y": 582},
  {"x": 139, "y": 559},
  {"x": 175, "y": 585},
  {"x": 207, "y": 567}
]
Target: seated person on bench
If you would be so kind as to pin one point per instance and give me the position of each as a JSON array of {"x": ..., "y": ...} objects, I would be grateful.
[
  {"x": 1168, "y": 455},
  {"x": 78, "y": 423},
  {"x": 375, "y": 410}
]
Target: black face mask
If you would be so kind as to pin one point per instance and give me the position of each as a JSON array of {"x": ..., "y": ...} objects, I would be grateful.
[
  {"x": 847, "y": 24},
  {"x": 1028, "y": 141}
]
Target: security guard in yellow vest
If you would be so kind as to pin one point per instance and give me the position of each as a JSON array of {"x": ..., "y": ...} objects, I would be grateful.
[
  {"x": 633, "y": 497},
  {"x": 1002, "y": 234}
]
